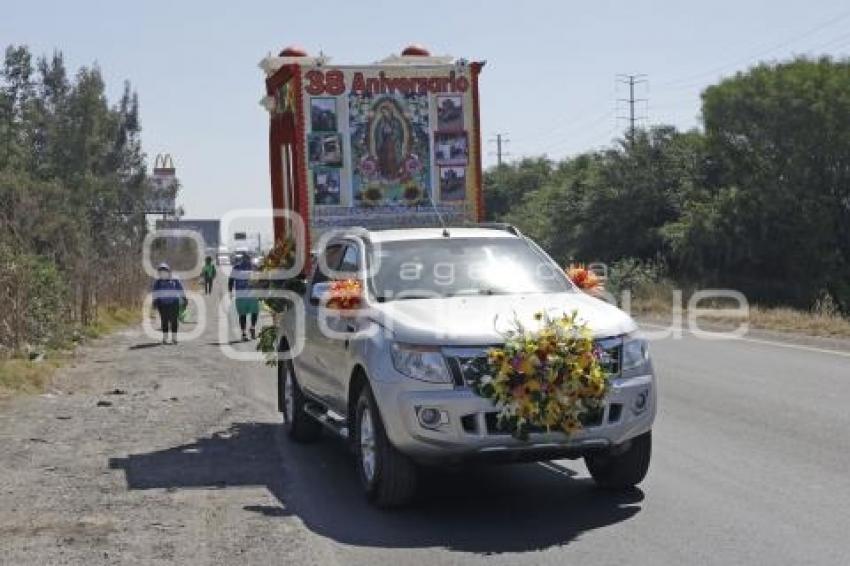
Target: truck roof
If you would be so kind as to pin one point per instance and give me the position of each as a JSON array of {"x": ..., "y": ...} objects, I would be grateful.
[{"x": 395, "y": 235}]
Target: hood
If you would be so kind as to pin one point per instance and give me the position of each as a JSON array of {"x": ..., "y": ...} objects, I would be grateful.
[{"x": 483, "y": 320}]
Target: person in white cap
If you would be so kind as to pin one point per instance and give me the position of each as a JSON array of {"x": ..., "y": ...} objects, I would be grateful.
[{"x": 168, "y": 297}]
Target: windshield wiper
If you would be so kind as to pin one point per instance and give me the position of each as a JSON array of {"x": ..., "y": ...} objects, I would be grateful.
[
  {"x": 473, "y": 292},
  {"x": 384, "y": 298}
]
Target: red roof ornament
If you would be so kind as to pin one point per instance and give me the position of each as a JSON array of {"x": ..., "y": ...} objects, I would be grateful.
[
  {"x": 293, "y": 51},
  {"x": 416, "y": 50}
]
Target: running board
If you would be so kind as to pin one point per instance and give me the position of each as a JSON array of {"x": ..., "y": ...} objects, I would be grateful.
[{"x": 331, "y": 420}]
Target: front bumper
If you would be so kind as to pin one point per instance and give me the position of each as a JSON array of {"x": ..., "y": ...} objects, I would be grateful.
[{"x": 466, "y": 429}]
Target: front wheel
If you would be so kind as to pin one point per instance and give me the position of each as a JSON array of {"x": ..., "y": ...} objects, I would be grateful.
[
  {"x": 388, "y": 476},
  {"x": 622, "y": 469},
  {"x": 300, "y": 426}
]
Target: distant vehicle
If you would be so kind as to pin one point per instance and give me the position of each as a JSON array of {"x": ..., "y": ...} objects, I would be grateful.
[{"x": 222, "y": 256}]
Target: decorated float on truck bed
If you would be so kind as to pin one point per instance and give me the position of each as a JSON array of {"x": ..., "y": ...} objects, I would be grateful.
[{"x": 392, "y": 144}]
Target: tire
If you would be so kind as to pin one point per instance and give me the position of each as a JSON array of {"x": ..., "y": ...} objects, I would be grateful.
[
  {"x": 390, "y": 481},
  {"x": 622, "y": 470},
  {"x": 299, "y": 426}
]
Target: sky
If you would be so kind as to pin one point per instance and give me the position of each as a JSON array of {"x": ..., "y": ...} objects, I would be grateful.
[{"x": 549, "y": 83}]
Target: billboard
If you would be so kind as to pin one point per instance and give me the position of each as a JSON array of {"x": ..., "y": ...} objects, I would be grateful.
[
  {"x": 162, "y": 197},
  {"x": 210, "y": 230}
]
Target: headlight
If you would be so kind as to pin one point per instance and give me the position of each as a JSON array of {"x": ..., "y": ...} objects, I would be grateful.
[
  {"x": 635, "y": 355},
  {"x": 425, "y": 363}
]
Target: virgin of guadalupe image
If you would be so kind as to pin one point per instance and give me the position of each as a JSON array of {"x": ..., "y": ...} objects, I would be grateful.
[{"x": 389, "y": 140}]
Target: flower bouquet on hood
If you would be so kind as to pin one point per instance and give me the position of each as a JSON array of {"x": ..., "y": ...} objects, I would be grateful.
[{"x": 543, "y": 380}]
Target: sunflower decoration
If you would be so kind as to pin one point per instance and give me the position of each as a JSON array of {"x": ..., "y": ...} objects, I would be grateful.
[
  {"x": 345, "y": 295},
  {"x": 372, "y": 195},
  {"x": 550, "y": 379},
  {"x": 585, "y": 279},
  {"x": 412, "y": 193}
]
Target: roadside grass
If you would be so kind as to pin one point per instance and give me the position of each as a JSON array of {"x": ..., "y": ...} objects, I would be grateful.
[
  {"x": 658, "y": 301},
  {"x": 19, "y": 375},
  {"x": 25, "y": 376},
  {"x": 112, "y": 319},
  {"x": 785, "y": 319}
]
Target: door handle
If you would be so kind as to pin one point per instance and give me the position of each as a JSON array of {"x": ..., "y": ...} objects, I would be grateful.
[{"x": 350, "y": 328}]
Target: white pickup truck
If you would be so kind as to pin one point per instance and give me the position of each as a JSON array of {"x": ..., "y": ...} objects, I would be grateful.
[{"x": 397, "y": 381}]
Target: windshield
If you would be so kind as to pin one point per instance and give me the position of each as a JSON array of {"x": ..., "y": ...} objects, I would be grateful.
[{"x": 450, "y": 267}]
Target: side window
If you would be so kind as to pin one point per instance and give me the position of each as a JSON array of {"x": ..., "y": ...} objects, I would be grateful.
[
  {"x": 350, "y": 260},
  {"x": 333, "y": 254}
]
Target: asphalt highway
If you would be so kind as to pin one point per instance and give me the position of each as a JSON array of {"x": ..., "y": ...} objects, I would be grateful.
[
  {"x": 175, "y": 454},
  {"x": 750, "y": 466}
]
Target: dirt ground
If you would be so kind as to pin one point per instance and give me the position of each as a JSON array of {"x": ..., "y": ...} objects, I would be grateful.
[{"x": 126, "y": 458}]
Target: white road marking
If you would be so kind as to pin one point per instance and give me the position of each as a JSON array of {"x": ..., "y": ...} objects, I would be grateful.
[{"x": 789, "y": 345}]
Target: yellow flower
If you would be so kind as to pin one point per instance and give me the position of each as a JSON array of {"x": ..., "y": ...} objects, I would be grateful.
[{"x": 527, "y": 365}]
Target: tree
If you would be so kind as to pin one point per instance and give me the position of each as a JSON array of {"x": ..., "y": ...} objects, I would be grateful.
[
  {"x": 72, "y": 181},
  {"x": 780, "y": 133},
  {"x": 506, "y": 185}
]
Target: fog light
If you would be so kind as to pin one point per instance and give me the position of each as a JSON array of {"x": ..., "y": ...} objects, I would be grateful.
[
  {"x": 429, "y": 417},
  {"x": 641, "y": 401}
]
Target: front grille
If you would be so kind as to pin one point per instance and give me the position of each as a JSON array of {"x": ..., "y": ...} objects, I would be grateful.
[
  {"x": 470, "y": 370},
  {"x": 468, "y": 365},
  {"x": 588, "y": 420},
  {"x": 611, "y": 350}
]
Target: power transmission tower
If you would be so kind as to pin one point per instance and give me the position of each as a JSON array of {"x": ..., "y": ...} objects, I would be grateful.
[
  {"x": 631, "y": 80},
  {"x": 500, "y": 140}
]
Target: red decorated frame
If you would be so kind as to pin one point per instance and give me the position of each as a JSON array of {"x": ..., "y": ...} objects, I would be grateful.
[{"x": 289, "y": 128}]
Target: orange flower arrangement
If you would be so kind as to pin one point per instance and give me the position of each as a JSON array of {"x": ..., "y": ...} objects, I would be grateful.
[
  {"x": 585, "y": 279},
  {"x": 281, "y": 256},
  {"x": 345, "y": 295}
]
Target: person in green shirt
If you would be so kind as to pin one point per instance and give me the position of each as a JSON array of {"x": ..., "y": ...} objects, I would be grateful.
[
  {"x": 246, "y": 300},
  {"x": 208, "y": 274}
]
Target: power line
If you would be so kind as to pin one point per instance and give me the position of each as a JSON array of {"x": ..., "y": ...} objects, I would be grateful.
[
  {"x": 499, "y": 140},
  {"x": 590, "y": 128},
  {"x": 688, "y": 81},
  {"x": 555, "y": 128}
]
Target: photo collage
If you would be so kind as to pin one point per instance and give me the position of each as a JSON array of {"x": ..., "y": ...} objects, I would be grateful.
[
  {"x": 451, "y": 148},
  {"x": 391, "y": 135},
  {"x": 324, "y": 150}
]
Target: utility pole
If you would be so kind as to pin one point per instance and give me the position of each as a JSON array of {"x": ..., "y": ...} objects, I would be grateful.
[
  {"x": 499, "y": 140},
  {"x": 631, "y": 80}
]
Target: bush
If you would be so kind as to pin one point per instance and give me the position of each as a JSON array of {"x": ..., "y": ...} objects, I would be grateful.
[
  {"x": 637, "y": 276},
  {"x": 34, "y": 298}
]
